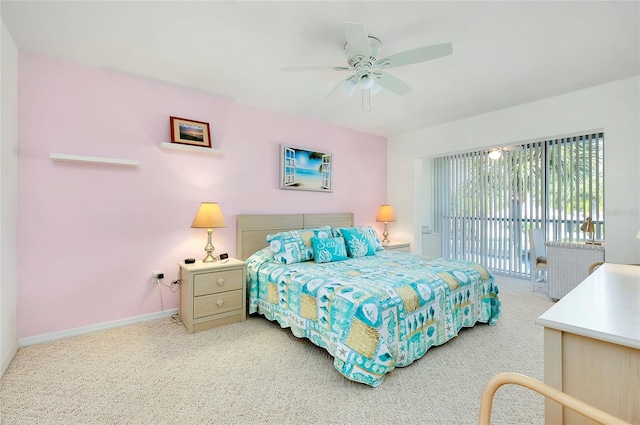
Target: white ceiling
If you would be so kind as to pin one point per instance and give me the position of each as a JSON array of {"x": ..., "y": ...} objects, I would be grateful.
[{"x": 505, "y": 53}]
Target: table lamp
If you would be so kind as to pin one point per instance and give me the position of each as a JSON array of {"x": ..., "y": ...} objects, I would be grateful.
[
  {"x": 385, "y": 215},
  {"x": 587, "y": 227},
  {"x": 208, "y": 217}
]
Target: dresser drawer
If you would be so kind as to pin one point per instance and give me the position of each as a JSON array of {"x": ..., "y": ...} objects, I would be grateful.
[
  {"x": 212, "y": 283},
  {"x": 207, "y": 305}
]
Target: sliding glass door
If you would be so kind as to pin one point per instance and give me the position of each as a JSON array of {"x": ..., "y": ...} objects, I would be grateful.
[{"x": 484, "y": 207}]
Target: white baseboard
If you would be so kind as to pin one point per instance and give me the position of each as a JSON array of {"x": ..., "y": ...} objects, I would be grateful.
[
  {"x": 7, "y": 361},
  {"x": 54, "y": 336}
]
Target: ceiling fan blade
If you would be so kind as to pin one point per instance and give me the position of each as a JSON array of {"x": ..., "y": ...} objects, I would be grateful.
[
  {"x": 357, "y": 39},
  {"x": 391, "y": 83},
  {"x": 349, "y": 85},
  {"x": 420, "y": 54},
  {"x": 313, "y": 68}
]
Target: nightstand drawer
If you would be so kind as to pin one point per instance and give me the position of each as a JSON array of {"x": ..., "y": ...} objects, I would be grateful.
[
  {"x": 212, "y": 283},
  {"x": 217, "y": 303}
]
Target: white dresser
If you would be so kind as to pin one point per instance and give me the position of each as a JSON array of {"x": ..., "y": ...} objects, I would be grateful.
[
  {"x": 568, "y": 264},
  {"x": 592, "y": 345}
]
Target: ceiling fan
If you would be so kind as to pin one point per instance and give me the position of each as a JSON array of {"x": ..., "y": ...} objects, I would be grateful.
[{"x": 362, "y": 52}]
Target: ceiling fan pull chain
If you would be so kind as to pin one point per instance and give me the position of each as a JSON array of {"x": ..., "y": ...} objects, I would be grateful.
[{"x": 368, "y": 100}]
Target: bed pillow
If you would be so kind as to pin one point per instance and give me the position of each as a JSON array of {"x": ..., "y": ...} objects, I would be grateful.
[
  {"x": 358, "y": 242},
  {"x": 368, "y": 231},
  {"x": 373, "y": 237},
  {"x": 257, "y": 260},
  {"x": 326, "y": 250},
  {"x": 264, "y": 255},
  {"x": 294, "y": 246}
]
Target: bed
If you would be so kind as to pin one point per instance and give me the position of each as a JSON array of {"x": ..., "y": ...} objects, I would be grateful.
[{"x": 372, "y": 313}]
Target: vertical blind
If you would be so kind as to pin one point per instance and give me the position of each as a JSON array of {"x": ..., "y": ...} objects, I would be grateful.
[{"x": 485, "y": 207}]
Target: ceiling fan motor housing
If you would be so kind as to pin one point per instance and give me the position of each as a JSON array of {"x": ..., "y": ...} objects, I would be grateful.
[
  {"x": 374, "y": 50},
  {"x": 363, "y": 65}
]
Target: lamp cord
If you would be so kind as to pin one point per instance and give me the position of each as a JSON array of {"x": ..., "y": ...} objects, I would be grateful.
[{"x": 174, "y": 317}]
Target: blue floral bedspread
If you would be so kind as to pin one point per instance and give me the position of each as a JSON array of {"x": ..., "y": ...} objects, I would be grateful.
[{"x": 373, "y": 313}]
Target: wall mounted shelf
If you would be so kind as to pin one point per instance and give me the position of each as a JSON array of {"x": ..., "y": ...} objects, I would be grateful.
[
  {"x": 94, "y": 160},
  {"x": 188, "y": 148}
]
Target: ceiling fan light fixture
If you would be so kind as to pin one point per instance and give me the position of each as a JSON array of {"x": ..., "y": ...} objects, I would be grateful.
[
  {"x": 367, "y": 81},
  {"x": 375, "y": 89},
  {"x": 495, "y": 153},
  {"x": 349, "y": 85}
]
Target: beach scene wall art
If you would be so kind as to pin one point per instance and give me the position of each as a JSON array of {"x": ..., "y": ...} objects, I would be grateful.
[{"x": 305, "y": 169}]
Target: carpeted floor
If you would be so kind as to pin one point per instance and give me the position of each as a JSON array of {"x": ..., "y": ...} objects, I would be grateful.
[{"x": 257, "y": 373}]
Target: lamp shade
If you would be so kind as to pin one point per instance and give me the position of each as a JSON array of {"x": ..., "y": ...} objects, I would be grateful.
[
  {"x": 208, "y": 216},
  {"x": 587, "y": 226},
  {"x": 385, "y": 213}
]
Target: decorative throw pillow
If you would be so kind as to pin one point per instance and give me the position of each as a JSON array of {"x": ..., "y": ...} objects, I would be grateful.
[
  {"x": 307, "y": 234},
  {"x": 368, "y": 231},
  {"x": 358, "y": 242},
  {"x": 326, "y": 250},
  {"x": 294, "y": 246},
  {"x": 373, "y": 237}
]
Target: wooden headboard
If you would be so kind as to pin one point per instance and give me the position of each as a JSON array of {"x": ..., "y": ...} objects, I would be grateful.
[{"x": 253, "y": 229}]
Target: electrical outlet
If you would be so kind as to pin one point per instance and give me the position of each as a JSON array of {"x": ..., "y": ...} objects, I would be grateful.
[{"x": 157, "y": 275}]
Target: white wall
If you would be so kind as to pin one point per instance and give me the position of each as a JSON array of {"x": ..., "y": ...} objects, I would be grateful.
[
  {"x": 8, "y": 199},
  {"x": 613, "y": 107}
]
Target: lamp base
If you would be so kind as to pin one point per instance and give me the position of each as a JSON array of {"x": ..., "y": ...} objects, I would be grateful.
[
  {"x": 385, "y": 234},
  {"x": 209, "y": 249}
]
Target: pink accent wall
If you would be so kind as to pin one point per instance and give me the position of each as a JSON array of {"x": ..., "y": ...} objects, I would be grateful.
[{"x": 89, "y": 236}]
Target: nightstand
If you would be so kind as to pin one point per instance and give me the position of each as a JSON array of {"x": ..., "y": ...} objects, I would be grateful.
[
  {"x": 397, "y": 246},
  {"x": 212, "y": 294}
]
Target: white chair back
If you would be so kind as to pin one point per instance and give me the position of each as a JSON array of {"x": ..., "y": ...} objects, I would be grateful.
[
  {"x": 537, "y": 246},
  {"x": 537, "y": 249}
]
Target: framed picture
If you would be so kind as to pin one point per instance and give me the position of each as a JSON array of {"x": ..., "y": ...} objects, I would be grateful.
[
  {"x": 190, "y": 132},
  {"x": 305, "y": 169}
]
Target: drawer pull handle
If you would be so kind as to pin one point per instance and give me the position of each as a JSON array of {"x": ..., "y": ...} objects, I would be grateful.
[
  {"x": 220, "y": 281},
  {"x": 220, "y": 303}
]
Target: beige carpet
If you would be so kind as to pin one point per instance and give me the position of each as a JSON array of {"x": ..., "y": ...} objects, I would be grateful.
[{"x": 257, "y": 373}]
